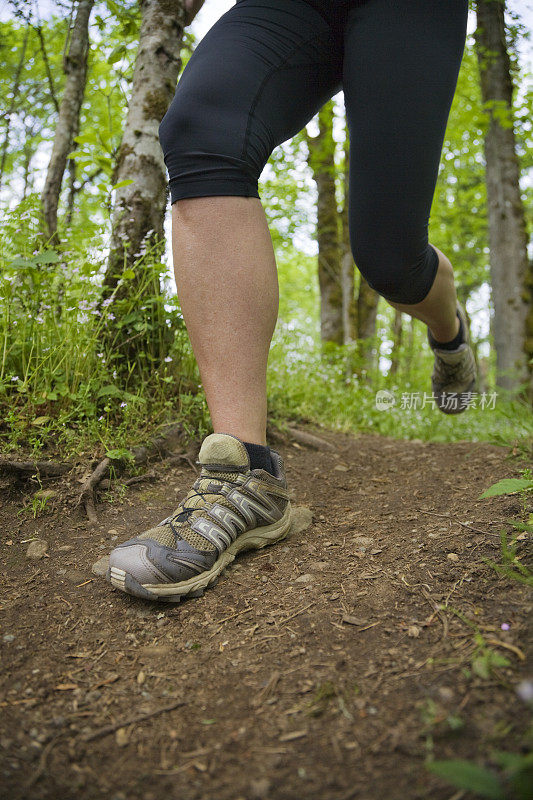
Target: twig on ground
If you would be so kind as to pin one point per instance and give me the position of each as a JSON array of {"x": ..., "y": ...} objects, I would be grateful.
[
  {"x": 436, "y": 608},
  {"x": 107, "y": 729},
  {"x": 148, "y": 476},
  {"x": 42, "y": 762},
  {"x": 87, "y": 493},
  {"x": 457, "y": 522}
]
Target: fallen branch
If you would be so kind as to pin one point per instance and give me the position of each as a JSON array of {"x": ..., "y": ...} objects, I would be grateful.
[
  {"x": 302, "y": 437},
  {"x": 47, "y": 469},
  {"x": 107, "y": 729},
  {"x": 148, "y": 476}
]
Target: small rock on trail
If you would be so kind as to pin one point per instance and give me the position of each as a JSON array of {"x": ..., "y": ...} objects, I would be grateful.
[{"x": 37, "y": 549}]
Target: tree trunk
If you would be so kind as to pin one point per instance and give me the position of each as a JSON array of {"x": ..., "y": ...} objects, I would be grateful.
[
  {"x": 367, "y": 311},
  {"x": 511, "y": 276},
  {"x": 396, "y": 342},
  {"x": 322, "y": 162},
  {"x": 139, "y": 209},
  {"x": 349, "y": 305},
  {"x": 75, "y": 68}
]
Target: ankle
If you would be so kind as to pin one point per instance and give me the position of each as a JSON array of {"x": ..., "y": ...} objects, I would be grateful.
[
  {"x": 450, "y": 344},
  {"x": 259, "y": 455}
]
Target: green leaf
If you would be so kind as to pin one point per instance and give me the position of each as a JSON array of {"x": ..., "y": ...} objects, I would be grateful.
[
  {"x": 467, "y": 775},
  {"x": 40, "y": 421},
  {"x": 24, "y": 263},
  {"x": 116, "y": 54},
  {"x": 128, "y": 274},
  {"x": 114, "y": 7},
  {"x": 120, "y": 184},
  {"x": 120, "y": 454},
  {"x": 507, "y": 486},
  {"x": 109, "y": 391},
  {"x": 46, "y": 257},
  {"x": 87, "y": 138}
]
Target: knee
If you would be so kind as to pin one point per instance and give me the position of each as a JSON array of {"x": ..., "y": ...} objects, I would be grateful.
[
  {"x": 400, "y": 274},
  {"x": 202, "y": 148}
]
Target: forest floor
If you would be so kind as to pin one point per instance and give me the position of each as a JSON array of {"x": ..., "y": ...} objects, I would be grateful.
[{"x": 321, "y": 668}]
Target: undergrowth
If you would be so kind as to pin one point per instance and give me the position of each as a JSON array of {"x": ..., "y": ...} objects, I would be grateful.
[{"x": 67, "y": 389}]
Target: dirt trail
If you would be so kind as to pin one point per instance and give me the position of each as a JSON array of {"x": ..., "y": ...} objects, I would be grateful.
[{"x": 320, "y": 668}]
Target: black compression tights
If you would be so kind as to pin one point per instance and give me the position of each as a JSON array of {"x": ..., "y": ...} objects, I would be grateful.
[{"x": 266, "y": 67}]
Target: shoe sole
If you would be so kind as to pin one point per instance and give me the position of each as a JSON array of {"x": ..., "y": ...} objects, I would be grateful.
[
  {"x": 254, "y": 539},
  {"x": 442, "y": 397}
]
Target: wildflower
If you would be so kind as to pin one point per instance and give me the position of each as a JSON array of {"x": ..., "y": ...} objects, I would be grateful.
[
  {"x": 525, "y": 691},
  {"x": 168, "y": 359},
  {"x": 123, "y": 405},
  {"x": 505, "y": 626},
  {"x": 15, "y": 378}
]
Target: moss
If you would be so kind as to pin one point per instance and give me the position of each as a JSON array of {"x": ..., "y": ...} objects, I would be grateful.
[
  {"x": 170, "y": 6},
  {"x": 123, "y": 152},
  {"x": 155, "y": 104}
]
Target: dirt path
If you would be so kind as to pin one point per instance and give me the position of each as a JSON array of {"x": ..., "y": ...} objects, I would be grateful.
[{"x": 318, "y": 669}]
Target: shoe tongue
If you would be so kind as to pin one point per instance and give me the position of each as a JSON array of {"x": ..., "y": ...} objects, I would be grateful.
[
  {"x": 452, "y": 356},
  {"x": 222, "y": 449}
]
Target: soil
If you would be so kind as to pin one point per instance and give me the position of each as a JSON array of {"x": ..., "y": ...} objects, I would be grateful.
[{"x": 322, "y": 667}]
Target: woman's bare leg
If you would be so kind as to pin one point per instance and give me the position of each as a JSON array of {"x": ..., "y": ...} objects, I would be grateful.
[
  {"x": 227, "y": 285},
  {"x": 438, "y": 308}
]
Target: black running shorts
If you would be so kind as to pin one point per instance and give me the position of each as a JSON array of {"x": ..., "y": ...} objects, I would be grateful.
[{"x": 266, "y": 67}]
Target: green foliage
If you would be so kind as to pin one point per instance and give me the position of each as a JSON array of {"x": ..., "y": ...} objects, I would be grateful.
[
  {"x": 59, "y": 383},
  {"x": 514, "y": 781},
  {"x": 512, "y": 566},
  {"x": 466, "y": 775},
  {"x": 508, "y": 486}
]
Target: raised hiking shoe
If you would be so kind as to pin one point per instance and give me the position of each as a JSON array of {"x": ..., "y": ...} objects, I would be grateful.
[
  {"x": 230, "y": 508},
  {"x": 454, "y": 373}
]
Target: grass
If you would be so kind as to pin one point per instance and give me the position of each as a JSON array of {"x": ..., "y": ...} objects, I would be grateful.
[
  {"x": 67, "y": 389},
  {"x": 504, "y": 775}
]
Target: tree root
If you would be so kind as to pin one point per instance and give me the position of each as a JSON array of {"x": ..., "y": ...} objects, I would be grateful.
[
  {"x": 301, "y": 437},
  {"x": 158, "y": 448},
  {"x": 25, "y": 469}
]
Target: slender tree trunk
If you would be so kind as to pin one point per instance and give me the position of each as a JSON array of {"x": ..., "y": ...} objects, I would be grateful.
[
  {"x": 71, "y": 192},
  {"x": 511, "y": 273},
  {"x": 410, "y": 347},
  {"x": 397, "y": 330},
  {"x": 367, "y": 311},
  {"x": 139, "y": 208},
  {"x": 349, "y": 305},
  {"x": 322, "y": 162},
  {"x": 75, "y": 68},
  {"x": 10, "y": 110},
  {"x": 29, "y": 152}
]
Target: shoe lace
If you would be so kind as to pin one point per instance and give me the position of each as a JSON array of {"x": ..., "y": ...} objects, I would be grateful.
[
  {"x": 184, "y": 511},
  {"x": 452, "y": 372}
]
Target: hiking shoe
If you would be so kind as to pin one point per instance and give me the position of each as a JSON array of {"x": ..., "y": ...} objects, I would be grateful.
[
  {"x": 230, "y": 508},
  {"x": 454, "y": 374}
]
